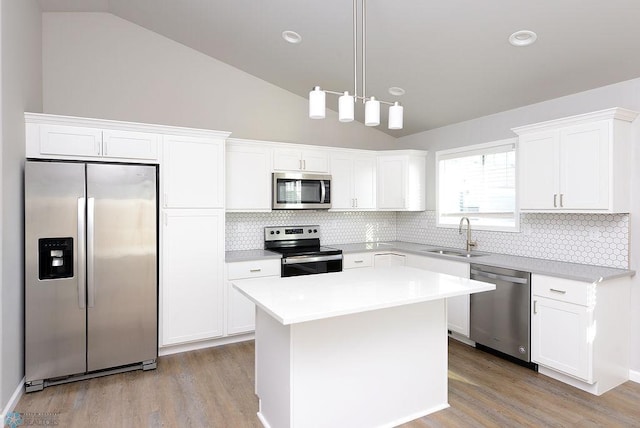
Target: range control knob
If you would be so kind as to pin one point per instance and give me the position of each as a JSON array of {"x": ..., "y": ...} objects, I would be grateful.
[
  {"x": 309, "y": 230},
  {"x": 272, "y": 232},
  {"x": 315, "y": 230},
  {"x": 277, "y": 232}
]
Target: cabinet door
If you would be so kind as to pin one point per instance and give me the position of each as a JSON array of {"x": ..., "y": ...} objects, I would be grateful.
[
  {"x": 584, "y": 166},
  {"x": 130, "y": 145},
  {"x": 192, "y": 275},
  {"x": 561, "y": 337},
  {"x": 70, "y": 141},
  {"x": 458, "y": 307},
  {"x": 392, "y": 182},
  {"x": 315, "y": 161},
  {"x": 389, "y": 259},
  {"x": 193, "y": 172},
  {"x": 538, "y": 164},
  {"x": 287, "y": 160},
  {"x": 364, "y": 182},
  {"x": 248, "y": 172},
  {"x": 342, "y": 182}
]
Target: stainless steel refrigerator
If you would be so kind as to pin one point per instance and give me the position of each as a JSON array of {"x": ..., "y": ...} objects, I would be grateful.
[{"x": 91, "y": 270}]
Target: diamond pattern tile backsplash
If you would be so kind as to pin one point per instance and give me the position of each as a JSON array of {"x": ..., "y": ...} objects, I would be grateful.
[{"x": 597, "y": 239}]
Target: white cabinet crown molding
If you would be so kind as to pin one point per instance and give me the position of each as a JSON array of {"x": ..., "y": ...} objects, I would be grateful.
[
  {"x": 53, "y": 119},
  {"x": 611, "y": 113}
]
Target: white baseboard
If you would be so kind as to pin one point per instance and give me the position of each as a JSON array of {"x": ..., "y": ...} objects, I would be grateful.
[
  {"x": 13, "y": 401},
  {"x": 634, "y": 376},
  {"x": 185, "y": 347}
]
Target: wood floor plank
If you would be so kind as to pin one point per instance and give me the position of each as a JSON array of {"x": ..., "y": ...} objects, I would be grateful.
[{"x": 215, "y": 388}]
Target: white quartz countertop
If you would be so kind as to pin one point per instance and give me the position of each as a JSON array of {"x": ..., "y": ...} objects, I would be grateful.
[{"x": 313, "y": 297}]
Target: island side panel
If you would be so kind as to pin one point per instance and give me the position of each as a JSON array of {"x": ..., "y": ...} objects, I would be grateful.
[
  {"x": 273, "y": 386},
  {"x": 371, "y": 369}
]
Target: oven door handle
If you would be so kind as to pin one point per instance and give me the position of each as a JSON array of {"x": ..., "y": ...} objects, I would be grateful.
[
  {"x": 323, "y": 192},
  {"x": 296, "y": 260}
]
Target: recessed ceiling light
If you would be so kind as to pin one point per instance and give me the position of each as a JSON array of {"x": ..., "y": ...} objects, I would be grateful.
[
  {"x": 291, "y": 36},
  {"x": 397, "y": 91},
  {"x": 523, "y": 38}
]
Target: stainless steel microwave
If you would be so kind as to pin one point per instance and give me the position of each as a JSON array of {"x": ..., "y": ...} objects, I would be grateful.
[{"x": 297, "y": 191}]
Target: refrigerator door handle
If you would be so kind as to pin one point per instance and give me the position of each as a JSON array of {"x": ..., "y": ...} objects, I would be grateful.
[
  {"x": 82, "y": 280},
  {"x": 90, "y": 239}
]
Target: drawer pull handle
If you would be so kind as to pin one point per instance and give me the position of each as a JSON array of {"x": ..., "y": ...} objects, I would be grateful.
[
  {"x": 254, "y": 270},
  {"x": 557, "y": 291},
  {"x": 358, "y": 261}
]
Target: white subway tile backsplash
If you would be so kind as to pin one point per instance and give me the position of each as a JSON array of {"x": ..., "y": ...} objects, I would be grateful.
[{"x": 598, "y": 239}]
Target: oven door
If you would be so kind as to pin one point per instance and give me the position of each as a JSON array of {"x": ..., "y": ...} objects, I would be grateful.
[
  {"x": 310, "y": 265},
  {"x": 301, "y": 191}
]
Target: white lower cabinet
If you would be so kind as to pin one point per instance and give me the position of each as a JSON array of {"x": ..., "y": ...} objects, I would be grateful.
[
  {"x": 241, "y": 312},
  {"x": 192, "y": 258},
  {"x": 357, "y": 260},
  {"x": 457, "y": 307},
  {"x": 580, "y": 331},
  {"x": 388, "y": 259}
]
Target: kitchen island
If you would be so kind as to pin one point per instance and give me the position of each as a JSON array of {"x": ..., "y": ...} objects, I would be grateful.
[{"x": 358, "y": 348}]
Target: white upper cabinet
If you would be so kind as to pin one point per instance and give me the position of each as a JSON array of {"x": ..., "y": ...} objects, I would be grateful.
[
  {"x": 300, "y": 159},
  {"x": 577, "y": 164},
  {"x": 248, "y": 172},
  {"x": 353, "y": 185},
  {"x": 401, "y": 177},
  {"x": 61, "y": 137},
  {"x": 193, "y": 172}
]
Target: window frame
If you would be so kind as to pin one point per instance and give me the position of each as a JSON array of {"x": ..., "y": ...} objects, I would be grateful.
[{"x": 483, "y": 148}]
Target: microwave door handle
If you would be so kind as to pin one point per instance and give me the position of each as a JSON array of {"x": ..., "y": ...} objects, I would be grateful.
[{"x": 323, "y": 192}]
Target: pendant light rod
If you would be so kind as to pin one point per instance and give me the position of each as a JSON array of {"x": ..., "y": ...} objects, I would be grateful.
[{"x": 355, "y": 50}]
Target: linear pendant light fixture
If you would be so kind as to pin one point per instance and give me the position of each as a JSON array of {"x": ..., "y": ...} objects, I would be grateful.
[{"x": 346, "y": 101}]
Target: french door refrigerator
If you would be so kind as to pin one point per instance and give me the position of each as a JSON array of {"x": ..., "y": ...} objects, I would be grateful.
[{"x": 91, "y": 270}]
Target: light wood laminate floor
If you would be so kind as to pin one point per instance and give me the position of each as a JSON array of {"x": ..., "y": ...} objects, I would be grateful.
[{"x": 214, "y": 388}]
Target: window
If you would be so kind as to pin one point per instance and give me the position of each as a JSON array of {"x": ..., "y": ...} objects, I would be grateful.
[{"x": 478, "y": 182}]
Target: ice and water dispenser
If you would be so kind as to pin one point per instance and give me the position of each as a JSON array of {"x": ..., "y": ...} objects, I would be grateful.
[{"x": 56, "y": 258}]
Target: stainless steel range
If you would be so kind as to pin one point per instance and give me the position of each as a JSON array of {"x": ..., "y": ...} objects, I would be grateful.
[{"x": 301, "y": 250}]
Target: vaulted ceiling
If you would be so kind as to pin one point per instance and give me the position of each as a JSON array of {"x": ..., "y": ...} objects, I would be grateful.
[{"x": 452, "y": 57}]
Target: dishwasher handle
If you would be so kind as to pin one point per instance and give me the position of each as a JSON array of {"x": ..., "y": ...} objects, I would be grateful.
[{"x": 513, "y": 279}]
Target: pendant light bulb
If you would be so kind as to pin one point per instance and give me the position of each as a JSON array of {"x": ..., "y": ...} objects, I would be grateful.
[
  {"x": 346, "y": 107},
  {"x": 396, "y": 116},
  {"x": 372, "y": 112},
  {"x": 317, "y": 100}
]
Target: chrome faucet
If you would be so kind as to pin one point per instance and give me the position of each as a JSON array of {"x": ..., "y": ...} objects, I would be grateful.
[{"x": 470, "y": 243}]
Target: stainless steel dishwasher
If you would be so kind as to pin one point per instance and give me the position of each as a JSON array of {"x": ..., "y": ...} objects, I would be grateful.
[{"x": 501, "y": 319}]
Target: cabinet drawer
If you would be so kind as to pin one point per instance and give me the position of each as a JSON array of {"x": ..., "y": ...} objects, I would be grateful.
[
  {"x": 253, "y": 269},
  {"x": 360, "y": 260},
  {"x": 564, "y": 290}
]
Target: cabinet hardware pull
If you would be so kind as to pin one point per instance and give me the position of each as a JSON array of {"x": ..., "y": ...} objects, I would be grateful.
[
  {"x": 356, "y": 199},
  {"x": 558, "y": 291},
  {"x": 255, "y": 270},
  {"x": 555, "y": 200},
  {"x": 358, "y": 261},
  {"x": 535, "y": 307},
  {"x": 561, "y": 206},
  {"x": 304, "y": 164}
]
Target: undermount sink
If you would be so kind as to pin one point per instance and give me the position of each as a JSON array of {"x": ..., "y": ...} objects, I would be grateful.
[{"x": 452, "y": 252}]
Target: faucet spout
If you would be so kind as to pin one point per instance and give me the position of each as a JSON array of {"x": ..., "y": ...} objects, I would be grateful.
[{"x": 470, "y": 243}]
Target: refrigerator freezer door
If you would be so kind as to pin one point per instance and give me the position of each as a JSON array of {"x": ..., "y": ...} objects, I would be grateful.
[
  {"x": 55, "y": 316},
  {"x": 121, "y": 265}
]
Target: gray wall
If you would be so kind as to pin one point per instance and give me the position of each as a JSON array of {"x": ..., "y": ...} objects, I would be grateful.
[
  {"x": 497, "y": 126},
  {"x": 20, "y": 90},
  {"x": 98, "y": 65}
]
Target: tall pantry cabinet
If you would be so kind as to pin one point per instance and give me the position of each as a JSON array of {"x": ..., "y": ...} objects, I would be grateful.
[{"x": 192, "y": 238}]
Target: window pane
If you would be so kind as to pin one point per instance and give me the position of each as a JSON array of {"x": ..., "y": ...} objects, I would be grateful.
[{"x": 479, "y": 184}]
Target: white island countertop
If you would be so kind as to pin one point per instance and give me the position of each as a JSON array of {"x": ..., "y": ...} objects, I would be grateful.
[{"x": 313, "y": 297}]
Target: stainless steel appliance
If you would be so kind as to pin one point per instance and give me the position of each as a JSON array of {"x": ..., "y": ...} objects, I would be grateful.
[
  {"x": 500, "y": 319},
  {"x": 91, "y": 268},
  {"x": 295, "y": 191},
  {"x": 301, "y": 250}
]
